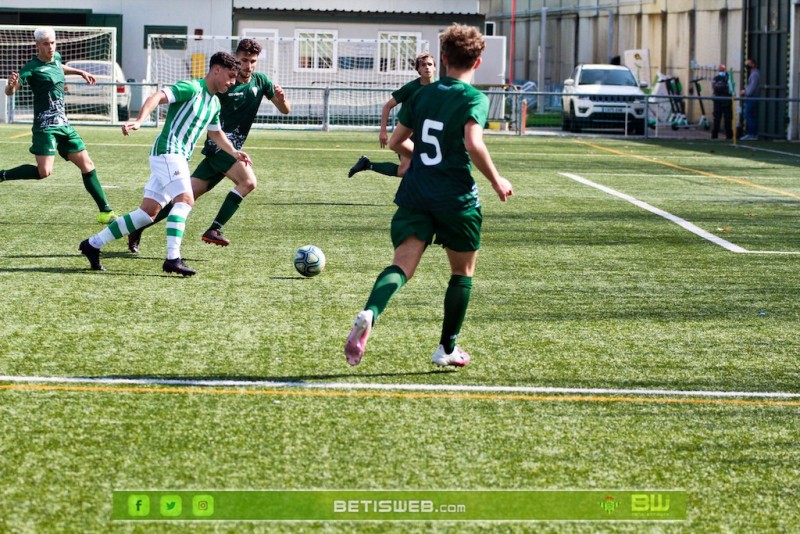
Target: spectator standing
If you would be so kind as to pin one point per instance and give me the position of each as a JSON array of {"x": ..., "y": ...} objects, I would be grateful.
[
  {"x": 723, "y": 105},
  {"x": 751, "y": 92}
]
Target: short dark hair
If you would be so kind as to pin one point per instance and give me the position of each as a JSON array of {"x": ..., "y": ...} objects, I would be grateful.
[
  {"x": 422, "y": 57},
  {"x": 462, "y": 46},
  {"x": 224, "y": 59},
  {"x": 249, "y": 46}
]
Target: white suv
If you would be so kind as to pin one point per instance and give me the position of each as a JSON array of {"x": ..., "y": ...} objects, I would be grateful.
[
  {"x": 80, "y": 97},
  {"x": 603, "y": 96}
]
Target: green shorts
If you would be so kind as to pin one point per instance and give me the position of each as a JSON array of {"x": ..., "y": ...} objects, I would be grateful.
[
  {"x": 459, "y": 231},
  {"x": 64, "y": 139},
  {"x": 213, "y": 168}
]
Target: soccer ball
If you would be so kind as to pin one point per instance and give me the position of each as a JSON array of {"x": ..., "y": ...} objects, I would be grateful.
[{"x": 309, "y": 260}]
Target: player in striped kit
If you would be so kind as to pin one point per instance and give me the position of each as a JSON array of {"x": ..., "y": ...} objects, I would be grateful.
[
  {"x": 193, "y": 108},
  {"x": 239, "y": 108}
]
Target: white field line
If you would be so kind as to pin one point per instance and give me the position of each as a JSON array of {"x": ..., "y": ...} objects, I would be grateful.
[
  {"x": 771, "y": 151},
  {"x": 683, "y": 223},
  {"x": 462, "y": 388}
]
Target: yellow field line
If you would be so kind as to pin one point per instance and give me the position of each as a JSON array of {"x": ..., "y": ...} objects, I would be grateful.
[
  {"x": 26, "y": 134},
  {"x": 689, "y": 169},
  {"x": 398, "y": 395}
]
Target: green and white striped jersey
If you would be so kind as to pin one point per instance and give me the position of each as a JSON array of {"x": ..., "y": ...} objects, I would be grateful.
[{"x": 192, "y": 110}]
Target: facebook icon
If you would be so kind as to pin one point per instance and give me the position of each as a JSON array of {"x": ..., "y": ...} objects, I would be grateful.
[{"x": 138, "y": 505}]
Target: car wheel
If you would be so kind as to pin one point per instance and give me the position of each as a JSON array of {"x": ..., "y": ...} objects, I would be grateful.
[
  {"x": 566, "y": 122},
  {"x": 573, "y": 120},
  {"x": 123, "y": 113}
]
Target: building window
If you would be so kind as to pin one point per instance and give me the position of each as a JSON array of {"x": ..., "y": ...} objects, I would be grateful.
[
  {"x": 397, "y": 52},
  {"x": 168, "y": 43},
  {"x": 315, "y": 50}
]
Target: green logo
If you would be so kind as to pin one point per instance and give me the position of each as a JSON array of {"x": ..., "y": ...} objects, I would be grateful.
[
  {"x": 171, "y": 505},
  {"x": 609, "y": 504},
  {"x": 202, "y": 505},
  {"x": 138, "y": 505},
  {"x": 652, "y": 503}
]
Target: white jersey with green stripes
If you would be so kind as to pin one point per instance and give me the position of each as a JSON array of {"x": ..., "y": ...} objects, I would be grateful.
[{"x": 192, "y": 110}]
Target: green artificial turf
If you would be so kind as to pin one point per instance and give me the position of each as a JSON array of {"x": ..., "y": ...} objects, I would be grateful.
[{"x": 574, "y": 288}]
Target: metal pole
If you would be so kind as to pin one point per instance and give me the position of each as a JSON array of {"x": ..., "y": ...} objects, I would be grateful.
[
  {"x": 542, "y": 61},
  {"x": 792, "y": 127},
  {"x": 610, "y": 34},
  {"x": 326, "y": 110},
  {"x": 511, "y": 44}
]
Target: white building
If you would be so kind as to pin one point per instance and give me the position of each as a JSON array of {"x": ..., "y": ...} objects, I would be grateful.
[{"x": 135, "y": 19}]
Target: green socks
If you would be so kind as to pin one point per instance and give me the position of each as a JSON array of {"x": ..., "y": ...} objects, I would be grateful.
[
  {"x": 163, "y": 214},
  {"x": 92, "y": 185},
  {"x": 386, "y": 285},
  {"x": 227, "y": 210},
  {"x": 389, "y": 169},
  {"x": 23, "y": 172},
  {"x": 456, "y": 301}
]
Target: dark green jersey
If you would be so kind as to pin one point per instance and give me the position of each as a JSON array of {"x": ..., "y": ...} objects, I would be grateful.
[
  {"x": 239, "y": 108},
  {"x": 440, "y": 175},
  {"x": 46, "y": 81},
  {"x": 407, "y": 91}
]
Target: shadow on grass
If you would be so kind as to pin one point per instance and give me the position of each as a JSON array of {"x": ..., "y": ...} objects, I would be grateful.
[
  {"x": 81, "y": 270},
  {"x": 292, "y": 379},
  {"x": 352, "y": 204}
]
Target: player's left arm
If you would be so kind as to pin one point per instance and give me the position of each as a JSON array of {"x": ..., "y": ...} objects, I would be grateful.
[
  {"x": 82, "y": 73},
  {"x": 219, "y": 137},
  {"x": 280, "y": 101},
  {"x": 473, "y": 141}
]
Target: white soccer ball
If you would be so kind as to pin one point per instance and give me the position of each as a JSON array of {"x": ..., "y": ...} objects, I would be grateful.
[{"x": 309, "y": 260}]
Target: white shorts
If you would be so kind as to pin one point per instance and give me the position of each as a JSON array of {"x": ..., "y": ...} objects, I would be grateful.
[{"x": 169, "y": 177}]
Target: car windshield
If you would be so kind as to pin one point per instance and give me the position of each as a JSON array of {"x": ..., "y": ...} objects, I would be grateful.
[
  {"x": 94, "y": 68},
  {"x": 607, "y": 77}
]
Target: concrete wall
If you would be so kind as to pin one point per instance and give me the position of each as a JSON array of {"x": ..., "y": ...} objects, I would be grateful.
[{"x": 578, "y": 31}]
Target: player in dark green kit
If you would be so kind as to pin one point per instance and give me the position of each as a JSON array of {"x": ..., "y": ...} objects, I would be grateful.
[
  {"x": 438, "y": 196},
  {"x": 425, "y": 65},
  {"x": 239, "y": 108},
  {"x": 52, "y": 132}
]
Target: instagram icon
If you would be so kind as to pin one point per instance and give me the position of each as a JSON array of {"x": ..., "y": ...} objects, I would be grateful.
[{"x": 202, "y": 505}]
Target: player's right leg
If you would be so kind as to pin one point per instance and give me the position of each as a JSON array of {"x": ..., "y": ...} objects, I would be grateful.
[
  {"x": 460, "y": 233},
  {"x": 177, "y": 185},
  {"x": 407, "y": 256},
  {"x": 116, "y": 229},
  {"x": 245, "y": 179},
  {"x": 405, "y": 163},
  {"x": 363, "y": 164},
  {"x": 43, "y": 147},
  {"x": 92, "y": 185},
  {"x": 21, "y": 172}
]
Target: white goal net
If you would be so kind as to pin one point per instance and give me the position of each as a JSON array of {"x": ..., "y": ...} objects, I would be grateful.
[
  {"x": 330, "y": 82},
  {"x": 91, "y": 49}
]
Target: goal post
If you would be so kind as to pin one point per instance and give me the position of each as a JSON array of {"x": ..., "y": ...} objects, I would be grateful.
[
  {"x": 94, "y": 46},
  {"x": 329, "y": 81}
]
